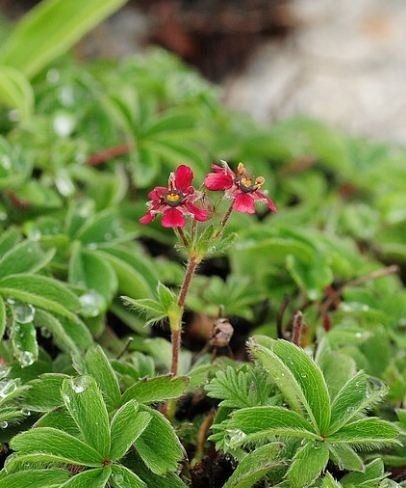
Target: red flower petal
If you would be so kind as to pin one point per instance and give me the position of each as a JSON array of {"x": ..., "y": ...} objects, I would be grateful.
[
  {"x": 147, "y": 218},
  {"x": 157, "y": 192},
  {"x": 244, "y": 203},
  {"x": 183, "y": 178},
  {"x": 219, "y": 181},
  {"x": 262, "y": 197},
  {"x": 172, "y": 217},
  {"x": 198, "y": 213}
]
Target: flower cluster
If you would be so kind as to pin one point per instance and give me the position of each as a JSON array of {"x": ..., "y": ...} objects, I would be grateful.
[{"x": 180, "y": 199}]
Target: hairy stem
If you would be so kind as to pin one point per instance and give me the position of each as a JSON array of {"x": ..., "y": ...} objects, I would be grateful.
[{"x": 176, "y": 325}]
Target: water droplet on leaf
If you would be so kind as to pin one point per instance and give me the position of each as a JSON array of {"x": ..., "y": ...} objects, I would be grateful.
[
  {"x": 92, "y": 303},
  {"x": 24, "y": 313},
  {"x": 26, "y": 359},
  {"x": 80, "y": 384}
]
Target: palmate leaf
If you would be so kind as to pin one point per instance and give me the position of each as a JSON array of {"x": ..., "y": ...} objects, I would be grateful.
[
  {"x": 254, "y": 467},
  {"x": 346, "y": 458},
  {"x": 352, "y": 399},
  {"x": 163, "y": 456},
  {"x": 246, "y": 387},
  {"x": 25, "y": 257},
  {"x": 122, "y": 477},
  {"x": 374, "y": 472},
  {"x": 42, "y": 292},
  {"x": 98, "y": 366},
  {"x": 299, "y": 378},
  {"x": 85, "y": 404},
  {"x": 157, "y": 389},
  {"x": 44, "y": 393},
  {"x": 59, "y": 419},
  {"x": 70, "y": 335},
  {"x": 126, "y": 426},
  {"x": 366, "y": 432},
  {"x": 52, "y": 445},
  {"x": 308, "y": 462},
  {"x": 35, "y": 478},
  {"x": 96, "y": 478},
  {"x": 88, "y": 270},
  {"x": 264, "y": 422}
]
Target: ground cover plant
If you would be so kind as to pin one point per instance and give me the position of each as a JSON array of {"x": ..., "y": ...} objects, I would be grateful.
[{"x": 188, "y": 298}]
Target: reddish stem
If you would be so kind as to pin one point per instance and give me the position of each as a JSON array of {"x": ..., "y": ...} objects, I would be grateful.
[{"x": 109, "y": 153}]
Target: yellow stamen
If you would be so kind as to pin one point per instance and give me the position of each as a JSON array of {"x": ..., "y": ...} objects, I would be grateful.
[
  {"x": 241, "y": 169},
  {"x": 172, "y": 197},
  {"x": 245, "y": 181},
  {"x": 259, "y": 181}
]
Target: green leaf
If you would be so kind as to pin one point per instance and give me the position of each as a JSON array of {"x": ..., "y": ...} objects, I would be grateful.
[
  {"x": 262, "y": 422},
  {"x": 330, "y": 482},
  {"x": 367, "y": 431},
  {"x": 26, "y": 257},
  {"x": 88, "y": 270},
  {"x": 70, "y": 335},
  {"x": 346, "y": 458},
  {"x": 34, "y": 478},
  {"x": 44, "y": 393},
  {"x": 308, "y": 462},
  {"x": 312, "y": 391},
  {"x": 122, "y": 477},
  {"x": 157, "y": 389},
  {"x": 127, "y": 425},
  {"x": 24, "y": 341},
  {"x": 59, "y": 419},
  {"x": 374, "y": 472},
  {"x": 130, "y": 280},
  {"x": 336, "y": 378},
  {"x": 11, "y": 236},
  {"x": 98, "y": 365},
  {"x": 151, "y": 309},
  {"x": 85, "y": 403},
  {"x": 16, "y": 91},
  {"x": 235, "y": 387},
  {"x": 281, "y": 374},
  {"x": 95, "y": 478},
  {"x": 42, "y": 292},
  {"x": 162, "y": 456},
  {"x": 55, "y": 446},
  {"x": 254, "y": 467},
  {"x": 3, "y": 318},
  {"x": 349, "y": 401},
  {"x": 51, "y": 29}
]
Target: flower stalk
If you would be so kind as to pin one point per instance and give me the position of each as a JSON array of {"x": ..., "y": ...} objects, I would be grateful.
[{"x": 175, "y": 320}]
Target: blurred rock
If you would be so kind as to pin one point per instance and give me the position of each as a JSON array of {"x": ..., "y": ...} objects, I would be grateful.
[{"x": 345, "y": 63}]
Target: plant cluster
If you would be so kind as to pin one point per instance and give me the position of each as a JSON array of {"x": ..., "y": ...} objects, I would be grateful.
[{"x": 210, "y": 339}]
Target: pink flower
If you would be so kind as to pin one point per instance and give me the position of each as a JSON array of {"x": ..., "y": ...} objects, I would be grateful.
[
  {"x": 175, "y": 201},
  {"x": 240, "y": 186}
]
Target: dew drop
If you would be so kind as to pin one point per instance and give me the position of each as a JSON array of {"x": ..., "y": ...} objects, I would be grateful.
[
  {"x": 7, "y": 387},
  {"x": 26, "y": 359},
  {"x": 24, "y": 313},
  {"x": 4, "y": 424},
  {"x": 63, "y": 124},
  {"x": 53, "y": 76},
  {"x": 34, "y": 235},
  {"x": 92, "y": 303},
  {"x": 80, "y": 384},
  {"x": 64, "y": 184},
  {"x": 4, "y": 370}
]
